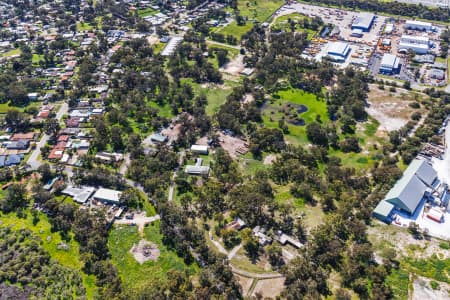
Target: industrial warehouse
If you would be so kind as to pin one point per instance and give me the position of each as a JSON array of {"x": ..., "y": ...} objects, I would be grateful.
[
  {"x": 406, "y": 50},
  {"x": 390, "y": 64},
  {"x": 338, "y": 51},
  {"x": 420, "y": 197}
]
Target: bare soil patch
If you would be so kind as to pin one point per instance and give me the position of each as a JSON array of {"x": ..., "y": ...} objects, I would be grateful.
[
  {"x": 269, "y": 159},
  {"x": 245, "y": 282},
  {"x": 384, "y": 236},
  {"x": 145, "y": 251},
  {"x": 391, "y": 109},
  {"x": 235, "y": 66},
  {"x": 423, "y": 290},
  {"x": 269, "y": 288},
  {"x": 235, "y": 146}
]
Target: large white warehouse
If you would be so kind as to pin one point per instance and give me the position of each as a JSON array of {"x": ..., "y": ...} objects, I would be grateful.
[
  {"x": 418, "y": 44},
  {"x": 419, "y": 25},
  {"x": 338, "y": 51}
]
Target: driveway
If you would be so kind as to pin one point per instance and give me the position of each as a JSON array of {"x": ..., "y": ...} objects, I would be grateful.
[{"x": 33, "y": 160}]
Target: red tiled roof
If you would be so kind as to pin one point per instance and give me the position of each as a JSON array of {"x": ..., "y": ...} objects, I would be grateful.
[{"x": 22, "y": 136}]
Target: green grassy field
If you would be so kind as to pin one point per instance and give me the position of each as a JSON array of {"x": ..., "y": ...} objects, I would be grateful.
[
  {"x": 146, "y": 12},
  {"x": 257, "y": 10},
  {"x": 134, "y": 274},
  {"x": 82, "y": 26},
  {"x": 11, "y": 53},
  {"x": 297, "y": 134},
  {"x": 50, "y": 240},
  {"x": 282, "y": 24},
  {"x": 37, "y": 58}
]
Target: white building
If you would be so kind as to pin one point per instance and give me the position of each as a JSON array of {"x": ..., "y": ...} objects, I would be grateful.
[
  {"x": 389, "y": 64},
  {"x": 417, "y": 44},
  {"x": 419, "y": 25},
  {"x": 107, "y": 195},
  {"x": 338, "y": 51},
  {"x": 199, "y": 149}
]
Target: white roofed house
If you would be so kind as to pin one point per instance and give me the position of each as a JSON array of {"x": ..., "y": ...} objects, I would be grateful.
[{"x": 108, "y": 196}]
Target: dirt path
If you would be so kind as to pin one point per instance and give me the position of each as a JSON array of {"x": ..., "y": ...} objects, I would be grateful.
[
  {"x": 140, "y": 220},
  {"x": 235, "y": 269}
]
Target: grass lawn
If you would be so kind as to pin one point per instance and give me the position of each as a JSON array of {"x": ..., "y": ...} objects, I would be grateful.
[
  {"x": 283, "y": 195},
  {"x": 37, "y": 58},
  {"x": 216, "y": 95},
  {"x": 134, "y": 274},
  {"x": 164, "y": 111},
  {"x": 11, "y": 53},
  {"x": 257, "y": 10},
  {"x": 82, "y": 26},
  {"x": 369, "y": 143},
  {"x": 272, "y": 112},
  {"x": 146, "y": 12},
  {"x": 282, "y": 23},
  {"x": 157, "y": 48},
  {"x": 50, "y": 240}
]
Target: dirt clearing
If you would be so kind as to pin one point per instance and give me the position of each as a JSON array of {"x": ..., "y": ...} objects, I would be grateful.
[
  {"x": 233, "y": 145},
  {"x": 235, "y": 66},
  {"x": 145, "y": 251},
  {"x": 423, "y": 290},
  {"x": 391, "y": 109},
  {"x": 269, "y": 288}
]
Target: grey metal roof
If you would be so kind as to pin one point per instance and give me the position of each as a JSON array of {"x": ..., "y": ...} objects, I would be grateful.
[
  {"x": 364, "y": 20},
  {"x": 383, "y": 208},
  {"x": 424, "y": 171},
  {"x": 409, "y": 190}
]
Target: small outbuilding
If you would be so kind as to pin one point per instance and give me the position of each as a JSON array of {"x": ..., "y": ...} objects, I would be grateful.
[
  {"x": 200, "y": 149},
  {"x": 383, "y": 211}
]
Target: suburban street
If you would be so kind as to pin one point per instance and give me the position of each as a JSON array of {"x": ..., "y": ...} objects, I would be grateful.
[{"x": 33, "y": 160}]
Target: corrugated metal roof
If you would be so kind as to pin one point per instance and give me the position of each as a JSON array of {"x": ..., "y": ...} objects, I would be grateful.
[
  {"x": 389, "y": 60},
  {"x": 364, "y": 20},
  {"x": 409, "y": 190},
  {"x": 338, "y": 48},
  {"x": 383, "y": 208}
]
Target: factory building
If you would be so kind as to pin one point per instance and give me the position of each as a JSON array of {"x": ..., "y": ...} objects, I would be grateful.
[
  {"x": 423, "y": 40},
  {"x": 418, "y": 44},
  {"x": 338, "y": 51},
  {"x": 419, "y": 25},
  {"x": 389, "y": 64},
  {"x": 437, "y": 74},
  {"x": 364, "y": 22}
]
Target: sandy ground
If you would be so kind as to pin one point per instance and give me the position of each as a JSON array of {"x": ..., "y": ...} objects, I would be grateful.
[
  {"x": 423, "y": 290},
  {"x": 403, "y": 242},
  {"x": 152, "y": 40},
  {"x": 172, "y": 133},
  {"x": 145, "y": 251},
  {"x": 269, "y": 288},
  {"x": 232, "y": 144},
  {"x": 391, "y": 109},
  {"x": 235, "y": 66},
  {"x": 269, "y": 159},
  {"x": 248, "y": 98},
  {"x": 245, "y": 282}
]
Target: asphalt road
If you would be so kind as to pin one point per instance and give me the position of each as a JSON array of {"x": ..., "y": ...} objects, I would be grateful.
[{"x": 33, "y": 160}]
